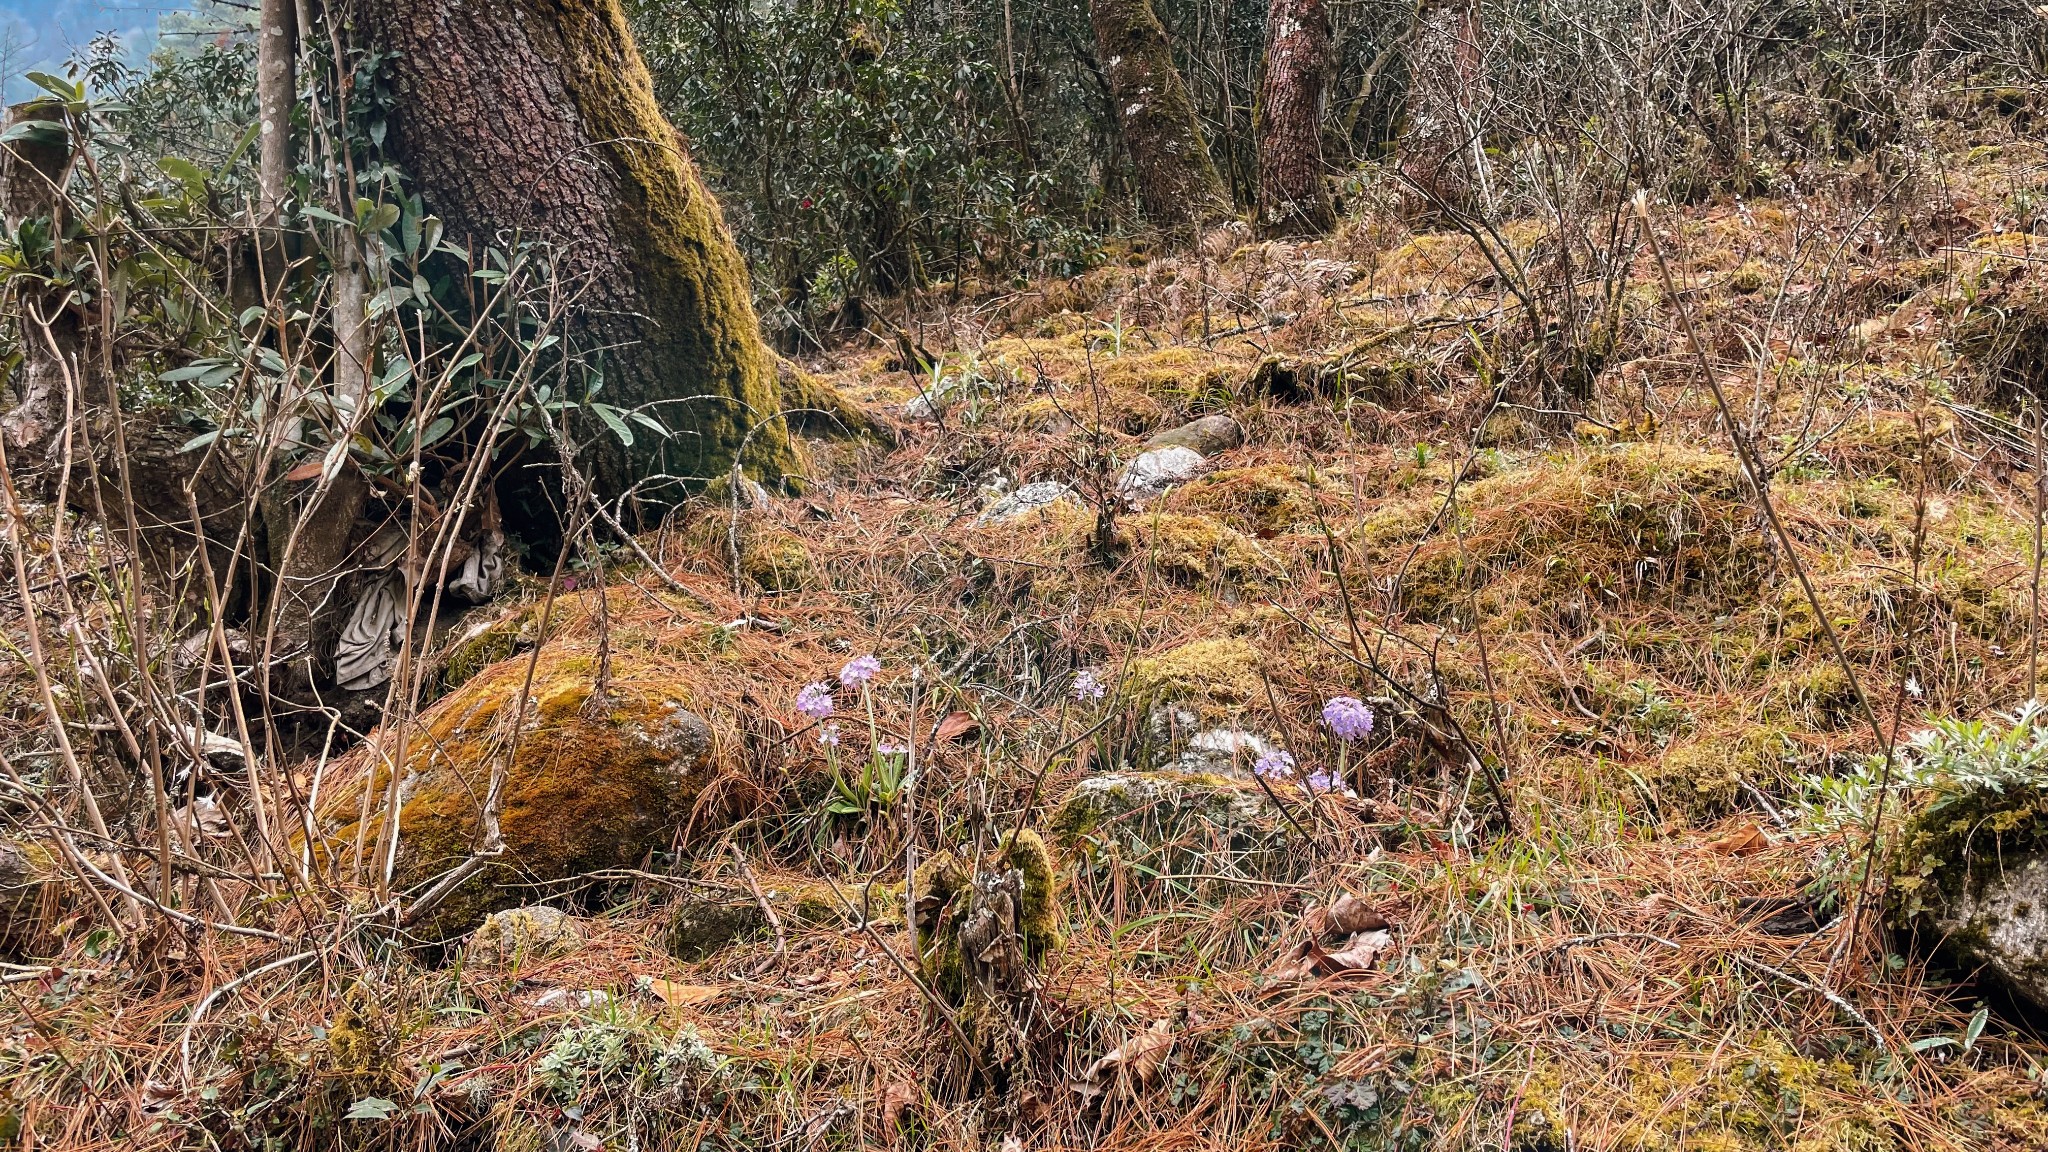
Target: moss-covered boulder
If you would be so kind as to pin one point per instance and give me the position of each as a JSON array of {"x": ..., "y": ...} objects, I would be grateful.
[
  {"x": 519, "y": 935},
  {"x": 1212, "y": 680},
  {"x": 594, "y": 783},
  {"x": 1197, "y": 549},
  {"x": 704, "y": 922},
  {"x": 775, "y": 559},
  {"x": 1208, "y": 435},
  {"x": 1702, "y": 781},
  {"x": 1971, "y": 869}
]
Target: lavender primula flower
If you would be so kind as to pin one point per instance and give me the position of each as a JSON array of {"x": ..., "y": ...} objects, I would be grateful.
[
  {"x": 859, "y": 670},
  {"x": 1321, "y": 781},
  {"x": 829, "y": 735},
  {"x": 1088, "y": 686},
  {"x": 1348, "y": 717},
  {"x": 1274, "y": 765},
  {"x": 815, "y": 700}
]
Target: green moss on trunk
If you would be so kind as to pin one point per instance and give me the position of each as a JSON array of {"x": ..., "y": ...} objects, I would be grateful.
[
  {"x": 1177, "y": 181},
  {"x": 539, "y": 116}
]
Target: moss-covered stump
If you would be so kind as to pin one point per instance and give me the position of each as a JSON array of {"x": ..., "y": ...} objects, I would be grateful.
[
  {"x": 1171, "y": 835},
  {"x": 1973, "y": 869},
  {"x": 594, "y": 784},
  {"x": 985, "y": 932}
]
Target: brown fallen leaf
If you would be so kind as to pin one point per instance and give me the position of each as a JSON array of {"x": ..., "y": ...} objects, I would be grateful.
[
  {"x": 1348, "y": 916},
  {"x": 677, "y": 995},
  {"x": 306, "y": 471},
  {"x": 899, "y": 1104},
  {"x": 1358, "y": 954},
  {"x": 1741, "y": 841},
  {"x": 1295, "y": 964},
  {"x": 958, "y": 728},
  {"x": 1131, "y": 1065}
]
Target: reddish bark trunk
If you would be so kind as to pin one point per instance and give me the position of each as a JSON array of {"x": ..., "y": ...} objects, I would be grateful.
[
  {"x": 1293, "y": 199},
  {"x": 1440, "y": 151}
]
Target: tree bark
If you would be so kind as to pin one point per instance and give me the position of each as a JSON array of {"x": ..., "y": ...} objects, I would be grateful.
[
  {"x": 1178, "y": 185},
  {"x": 277, "y": 49},
  {"x": 1441, "y": 152},
  {"x": 538, "y": 117},
  {"x": 1293, "y": 199}
]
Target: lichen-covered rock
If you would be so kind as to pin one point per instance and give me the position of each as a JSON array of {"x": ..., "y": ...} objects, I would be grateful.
[
  {"x": 516, "y": 935},
  {"x": 1165, "y": 824},
  {"x": 1973, "y": 868},
  {"x": 1209, "y": 436},
  {"x": 595, "y": 783},
  {"x": 26, "y": 869},
  {"x": 1029, "y": 498},
  {"x": 1158, "y": 469}
]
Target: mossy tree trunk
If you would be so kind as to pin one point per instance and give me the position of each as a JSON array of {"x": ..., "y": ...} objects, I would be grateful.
[
  {"x": 1289, "y": 122},
  {"x": 1440, "y": 149},
  {"x": 1178, "y": 185},
  {"x": 540, "y": 116}
]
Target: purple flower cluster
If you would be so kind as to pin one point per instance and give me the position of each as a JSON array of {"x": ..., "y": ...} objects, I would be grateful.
[
  {"x": 1088, "y": 686},
  {"x": 1322, "y": 781},
  {"x": 829, "y": 735},
  {"x": 859, "y": 671},
  {"x": 815, "y": 700},
  {"x": 1274, "y": 765},
  {"x": 1348, "y": 717}
]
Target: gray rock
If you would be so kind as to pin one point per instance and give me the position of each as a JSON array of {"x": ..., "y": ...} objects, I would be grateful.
[
  {"x": 1223, "y": 752},
  {"x": 1029, "y": 498},
  {"x": 2003, "y": 922},
  {"x": 536, "y": 932},
  {"x": 1209, "y": 436},
  {"x": 1158, "y": 469}
]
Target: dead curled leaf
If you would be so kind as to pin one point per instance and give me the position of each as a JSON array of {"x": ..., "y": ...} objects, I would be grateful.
[
  {"x": 1131, "y": 1065},
  {"x": 1357, "y": 935},
  {"x": 958, "y": 728},
  {"x": 1359, "y": 953},
  {"x": 1348, "y": 915},
  {"x": 899, "y": 1104},
  {"x": 1741, "y": 841},
  {"x": 675, "y": 994}
]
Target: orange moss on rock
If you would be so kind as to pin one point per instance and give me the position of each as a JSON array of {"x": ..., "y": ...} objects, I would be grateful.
[{"x": 593, "y": 783}]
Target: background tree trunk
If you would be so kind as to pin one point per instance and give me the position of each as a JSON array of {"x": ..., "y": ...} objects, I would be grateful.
[
  {"x": 31, "y": 170},
  {"x": 1177, "y": 180},
  {"x": 1289, "y": 124},
  {"x": 277, "y": 50},
  {"x": 539, "y": 116},
  {"x": 1440, "y": 150}
]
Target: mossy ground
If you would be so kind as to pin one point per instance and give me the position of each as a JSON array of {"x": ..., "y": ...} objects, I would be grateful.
[{"x": 1597, "y": 604}]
